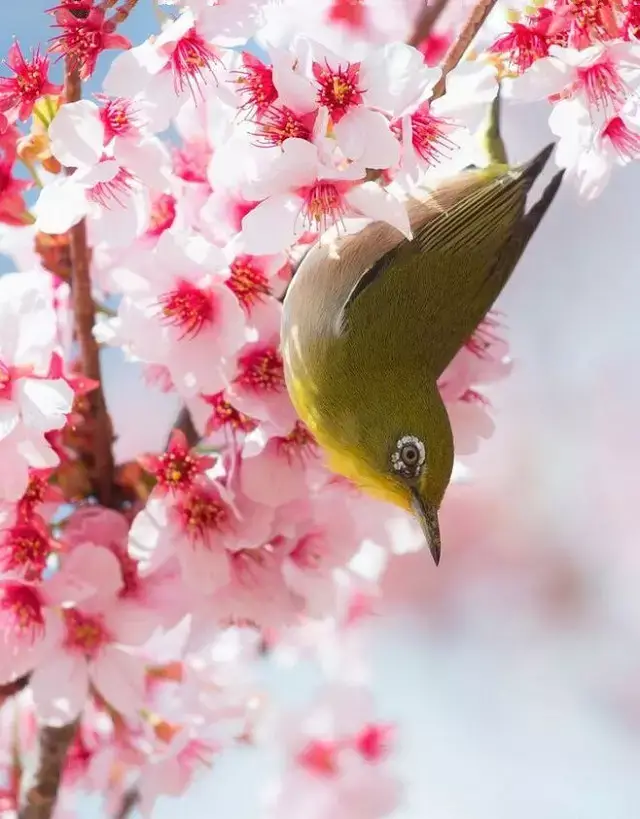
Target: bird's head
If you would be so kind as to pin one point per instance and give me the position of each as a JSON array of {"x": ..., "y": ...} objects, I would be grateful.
[{"x": 404, "y": 457}]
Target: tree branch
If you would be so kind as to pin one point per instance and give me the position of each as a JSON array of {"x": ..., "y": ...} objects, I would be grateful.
[
  {"x": 426, "y": 21},
  {"x": 40, "y": 796},
  {"x": 101, "y": 468},
  {"x": 457, "y": 50}
]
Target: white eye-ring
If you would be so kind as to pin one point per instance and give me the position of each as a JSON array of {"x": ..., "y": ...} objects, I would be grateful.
[{"x": 409, "y": 456}]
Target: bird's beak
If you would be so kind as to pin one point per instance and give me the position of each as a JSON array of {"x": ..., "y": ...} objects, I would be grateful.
[{"x": 427, "y": 515}]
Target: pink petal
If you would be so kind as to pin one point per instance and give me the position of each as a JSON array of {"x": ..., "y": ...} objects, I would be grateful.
[
  {"x": 60, "y": 688},
  {"x": 120, "y": 678},
  {"x": 130, "y": 622},
  {"x": 205, "y": 570},
  {"x": 546, "y": 76},
  {"x": 87, "y": 571},
  {"x": 61, "y": 204},
  {"x": 9, "y": 417}
]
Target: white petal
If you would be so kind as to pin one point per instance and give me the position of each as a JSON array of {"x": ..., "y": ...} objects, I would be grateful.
[
  {"x": 44, "y": 403},
  {"x": 545, "y": 77},
  {"x": 77, "y": 134},
  {"x": 9, "y": 417},
  {"x": 373, "y": 201},
  {"x": 395, "y": 76},
  {"x": 364, "y": 136},
  {"x": 61, "y": 204},
  {"x": 147, "y": 159},
  {"x": 271, "y": 226}
]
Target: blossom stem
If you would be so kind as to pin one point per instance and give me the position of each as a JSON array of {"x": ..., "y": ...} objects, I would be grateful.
[
  {"x": 426, "y": 21},
  {"x": 121, "y": 13},
  {"x": 39, "y": 798},
  {"x": 33, "y": 173},
  {"x": 130, "y": 799},
  {"x": 457, "y": 50},
  {"x": 101, "y": 469},
  {"x": 13, "y": 688}
]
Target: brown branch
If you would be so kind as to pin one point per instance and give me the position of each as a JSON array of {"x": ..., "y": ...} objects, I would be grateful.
[
  {"x": 130, "y": 799},
  {"x": 11, "y": 689},
  {"x": 457, "y": 50},
  {"x": 101, "y": 467},
  {"x": 121, "y": 13},
  {"x": 40, "y": 796},
  {"x": 426, "y": 22}
]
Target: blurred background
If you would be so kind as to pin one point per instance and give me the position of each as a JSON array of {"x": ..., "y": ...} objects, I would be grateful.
[{"x": 514, "y": 670}]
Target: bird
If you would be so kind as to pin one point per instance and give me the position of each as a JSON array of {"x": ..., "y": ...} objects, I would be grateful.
[{"x": 371, "y": 320}]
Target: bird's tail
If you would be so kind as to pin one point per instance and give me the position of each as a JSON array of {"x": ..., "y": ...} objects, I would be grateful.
[{"x": 530, "y": 171}]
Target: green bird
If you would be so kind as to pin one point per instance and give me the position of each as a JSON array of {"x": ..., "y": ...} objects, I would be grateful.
[{"x": 371, "y": 322}]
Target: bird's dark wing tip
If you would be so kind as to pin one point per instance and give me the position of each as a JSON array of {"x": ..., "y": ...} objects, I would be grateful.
[{"x": 531, "y": 170}]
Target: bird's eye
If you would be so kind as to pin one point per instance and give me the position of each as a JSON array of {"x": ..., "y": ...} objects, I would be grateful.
[{"x": 409, "y": 456}]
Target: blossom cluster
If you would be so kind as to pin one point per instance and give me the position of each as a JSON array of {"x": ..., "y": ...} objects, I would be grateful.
[{"x": 214, "y": 153}]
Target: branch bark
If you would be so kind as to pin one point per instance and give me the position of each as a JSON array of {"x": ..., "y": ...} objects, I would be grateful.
[
  {"x": 101, "y": 469},
  {"x": 40, "y": 796},
  {"x": 456, "y": 52},
  {"x": 426, "y": 22}
]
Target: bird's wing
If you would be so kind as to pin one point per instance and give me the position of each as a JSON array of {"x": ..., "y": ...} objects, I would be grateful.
[{"x": 441, "y": 284}]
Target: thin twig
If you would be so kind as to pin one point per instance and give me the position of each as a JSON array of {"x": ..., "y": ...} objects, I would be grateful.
[
  {"x": 40, "y": 796},
  {"x": 130, "y": 799},
  {"x": 426, "y": 22},
  {"x": 457, "y": 50},
  {"x": 121, "y": 14},
  {"x": 101, "y": 468},
  {"x": 11, "y": 689}
]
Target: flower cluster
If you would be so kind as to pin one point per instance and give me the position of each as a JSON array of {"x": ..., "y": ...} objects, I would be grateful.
[{"x": 190, "y": 183}]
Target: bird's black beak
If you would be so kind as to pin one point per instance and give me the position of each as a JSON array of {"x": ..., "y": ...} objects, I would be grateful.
[{"x": 427, "y": 515}]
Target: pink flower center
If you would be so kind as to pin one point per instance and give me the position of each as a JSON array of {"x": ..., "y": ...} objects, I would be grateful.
[
  {"x": 429, "y": 135},
  {"x": 262, "y": 370},
  {"x": 319, "y": 757},
  {"x": 129, "y": 570},
  {"x": 474, "y": 397},
  {"x": 24, "y": 549},
  {"x": 177, "y": 469},
  {"x": 85, "y": 634},
  {"x": 483, "y": 338},
  {"x": 602, "y": 84},
  {"x": 248, "y": 283},
  {"x": 34, "y": 494},
  {"x": 323, "y": 205},
  {"x": 280, "y": 123},
  {"x": 373, "y": 742},
  {"x": 338, "y": 89},
  {"x": 191, "y": 62},
  {"x": 192, "y": 160},
  {"x": 118, "y": 117},
  {"x": 309, "y": 552},
  {"x": 299, "y": 443},
  {"x": 117, "y": 189},
  {"x": 202, "y": 514},
  {"x": 523, "y": 45},
  {"x": 188, "y": 308},
  {"x": 21, "y": 611},
  {"x": 255, "y": 85},
  {"x": 225, "y": 415},
  {"x": 625, "y": 141},
  {"x": 163, "y": 214}
]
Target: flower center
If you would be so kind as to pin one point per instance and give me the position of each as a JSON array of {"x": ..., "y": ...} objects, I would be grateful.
[
  {"x": 298, "y": 443},
  {"x": 118, "y": 117},
  {"x": 5, "y": 381},
  {"x": 223, "y": 414},
  {"x": 262, "y": 370},
  {"x": 625, "y": 141},
  {"x": 249, "y": 284},
  {"x": 25, "y": 549},
  {"x": 255, "y": 85},
  {"x": 322, "y": 207},
  {"x": 350, "y": 12},
  {"x": 187, "y": 308},
  {"x": 319, "y": 757},
  {"x": 372, "y": 742},
  {"x": 429, "y": 135},
  {"x": 202, "y": 514},
  {"x": 177, "y": 470},
  {"x": 338, "y": 88},
  {"x": 163, "y": 214},
  {"x": 192, "y": 62},
  {"x": 602, "y": 84},
  {"x": 85, "y": 634},
  {"x": 21, "y": 609},
  {"x": 115, "y": 189},
  {"x": 280, "y": 123}
]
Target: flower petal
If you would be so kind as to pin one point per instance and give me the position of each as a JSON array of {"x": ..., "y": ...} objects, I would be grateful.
[
  {"x": 271, "y": 226},
  {"x": 119, "y": 677},
  {"x": 364, "y": 136},
  {"x": 77, "y": 134},
  {"x": 373, "y": 201}
]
